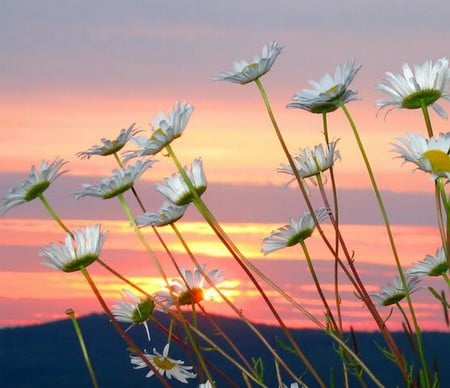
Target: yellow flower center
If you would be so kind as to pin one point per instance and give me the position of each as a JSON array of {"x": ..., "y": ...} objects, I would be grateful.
[
  {"x": 163, "y": 363},
  {"x": 333, "y": 90}
]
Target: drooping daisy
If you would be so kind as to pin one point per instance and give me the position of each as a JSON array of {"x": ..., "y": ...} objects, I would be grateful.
[
  {"x": 80, "y": 251},
  {"x": 168, "y": 214},
  {"x": 165, "y": 128},
  {"x": 413, "y": 147},
  {"x": 165, "y": 365},
  {"x": 431, "y": 265},
  {"x": 175, "y": 188},
  {"x": 328, "y": 92},
  {"x": 34, "y": 186},
  {"x": 244, "y": 72},
  {"x": 110, "y": 147},
  {"x": 134, "y": 310},
  {"x": 421, "y": 86},
  {"x": 394, "y": 292},
  {"x": 293, "y": 233},
  {"x": 121, "y": 181},
  {"x": 191, "y": 288},
  {"x": 310, "y": 162}
]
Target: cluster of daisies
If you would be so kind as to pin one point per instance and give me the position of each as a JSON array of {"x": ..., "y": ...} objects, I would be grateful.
[{"x": 417, "y": 88}]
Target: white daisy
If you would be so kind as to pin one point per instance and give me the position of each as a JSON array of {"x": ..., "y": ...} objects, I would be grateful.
[
  {"x": 329, "y": 91},
  {"x": 414, "y": 146},
  {"x": 121, "y": 181},
  {"x": 110, "y": 147},
  {"x": 293, "y": 233},
  {"x": 165, "y": 365},
  {"x": 423, "y": 85},
  {"x": 168, "y": 214},
  {"x": 191, "y": 288},
  {"x": 165, "y": 129},
  {"x": 35, "y": 185},
  {"x": 394, "y": 292},
  {"x": 244, "y": 72},
  {"x": 134, "y": 310},
  {"x": 431, "y": 265},
  {"x": 310, "y": 162},
  {"x": 80, "y": 251},
  {"x": 175, "y": 188}
]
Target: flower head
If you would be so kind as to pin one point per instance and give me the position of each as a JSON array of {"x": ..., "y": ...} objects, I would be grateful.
[
  {"x": 244, "y": 72},
  {"x": 414, "y": 147},
  {"x": 191, "y": 288},
  {"x": 110, "y": 147},
  {"x": 134, "y": 310},
  {"x": 293, "y": 233},
  {"x": 207, "y": 384},
  {"x": 165, "y": 128},
  {"x": 121, "y": 181},
  {"x": 164, "y": 365},
  {"x": 34, "y": 186},
  {"x": 310, "y": 162},
  {"x": 78, "y": 251},
  {"x": 175, "y": 188},
  {"x": 416, "y": 89},
  {"x": 394, "y": 292},
  {"x": 329, "y": 92},
  {"x": 168, "y": 214},
  {"x": 431, "y": 265}
]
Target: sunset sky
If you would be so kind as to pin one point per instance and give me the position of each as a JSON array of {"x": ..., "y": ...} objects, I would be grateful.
[{"x": 73, "y": 72}]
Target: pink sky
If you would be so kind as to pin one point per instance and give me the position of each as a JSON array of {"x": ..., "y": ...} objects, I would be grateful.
[{"x": 76, "y": 73}]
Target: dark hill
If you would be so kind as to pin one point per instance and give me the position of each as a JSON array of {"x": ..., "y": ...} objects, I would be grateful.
[{"x": 48, "y": 355}]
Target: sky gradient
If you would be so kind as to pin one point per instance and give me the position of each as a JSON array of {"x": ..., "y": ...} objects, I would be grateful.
[{"x": 76, "y": 71}]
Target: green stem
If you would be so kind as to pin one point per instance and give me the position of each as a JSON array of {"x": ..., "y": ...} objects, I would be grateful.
[
  {"x": 318, "y": 287},
  {"x": 390, "y": 235},
  {"x": 54, "y": 215},
  {"x": 426, "y": 115},
  {"x": 122, "y": 332},
  {"x": 79, "y": 334}
]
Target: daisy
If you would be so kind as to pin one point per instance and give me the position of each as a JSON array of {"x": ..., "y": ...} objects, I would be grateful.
[
  {"x": 431, "y": 265},
  {"x": 394, "y": 292},
  {"x": 293, "y": 385},
  {"x": 79, "y": 250},
  {"x": 165, "y": 365},
  {"x": 329, "y": 92},
  {"x": 134, "y": 310},
  {"x": 244, "y": 72},
  {"x": 191, "y": 288},
  {"x": 121, "y": 181},
  {"x": 165, "y": 128},
  {"x": 175, "y": 188},
  {"x": 293, "y": 233},
  {"x": 168, "y": 214},
  {"x": 110, "y": 147},
  {"x": 413, "y": 147},
  {"x": 414, "y": 89},
  {"x": 310, "y": 162},
  {"x": 34, "y": 186}
]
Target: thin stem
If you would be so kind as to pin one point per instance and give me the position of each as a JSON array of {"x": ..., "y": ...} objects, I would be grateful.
[
  {"x": 79, "y": 334},
  {"x": 389, "y": 232},
  {"x": 54, "y": 215},
  {"x": 122, "y": 333},
  {"x": 426, "y": 115},
  {"x": 318, "y": 287}
]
